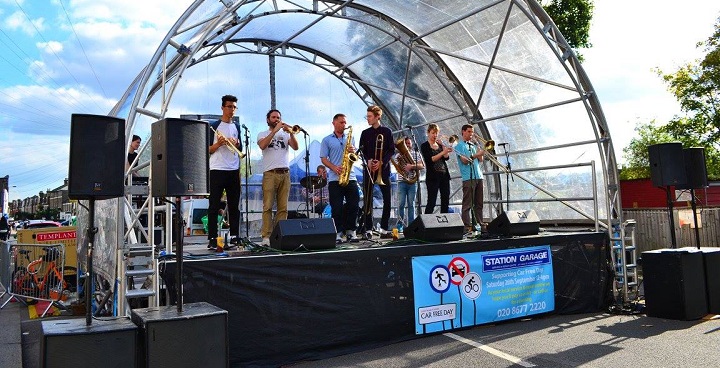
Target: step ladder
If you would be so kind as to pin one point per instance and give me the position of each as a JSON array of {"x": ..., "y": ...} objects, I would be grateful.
[
  {"x": 624, "y": 259},
  {"x": 137, "y": 264}
]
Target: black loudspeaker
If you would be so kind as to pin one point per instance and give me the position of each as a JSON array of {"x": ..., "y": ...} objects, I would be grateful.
[
  {"x": 436, "y": 227},
  {"x": 674, "y": 284},
  {"x": 105, "y": 343},
  {"x": 711, "y": 256},
  {"x": 517, "y": 223},
  {"x": 195, "y": 337},
  {"x": 695, "y": 168},
  {"x": 667, "y": 164},
  {"x": 179, "y": 158},
  {"x": 304, "y": 234},
  {"x": 97, "y": 157}
]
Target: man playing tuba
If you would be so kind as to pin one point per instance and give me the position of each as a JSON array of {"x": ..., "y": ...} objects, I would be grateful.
[{"x": 408, "y": 164}]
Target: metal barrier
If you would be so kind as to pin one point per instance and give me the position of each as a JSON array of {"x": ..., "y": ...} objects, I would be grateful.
[{"x": 37, "y": 274}]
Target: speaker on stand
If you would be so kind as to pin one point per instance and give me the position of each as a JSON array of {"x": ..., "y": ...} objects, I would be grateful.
[{"x": 667, "y": 169}]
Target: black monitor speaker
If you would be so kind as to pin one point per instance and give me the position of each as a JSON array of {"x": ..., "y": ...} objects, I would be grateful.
[
  {"x": 72, "y": 343},
  {"x": 667, "y": 164},
  {"x": 97, "y": 157},
  {"x": 436, "y": 227},
  {"x": 195, "y": 337},
  {"x": 515, "y": 223},
  {"x": 674, "y": 281},
  {"x": 695, "y": 168},
  {"x": 303, "y": 234},
  {"x": 179, "y": 158}
]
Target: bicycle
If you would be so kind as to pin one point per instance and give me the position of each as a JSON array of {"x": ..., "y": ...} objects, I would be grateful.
[{"x": 41, "y": 278}]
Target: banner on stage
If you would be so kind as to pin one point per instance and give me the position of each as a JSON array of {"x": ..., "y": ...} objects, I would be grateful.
[{"x": 462, "y": 290}]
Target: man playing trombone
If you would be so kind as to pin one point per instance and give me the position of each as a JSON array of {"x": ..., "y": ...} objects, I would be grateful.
[
  {"x": 469, "y": 156},
  {"x": 224, "y": 163},
  {"x": 378, "y": 148},
  {"x": 275, "y": 143}
]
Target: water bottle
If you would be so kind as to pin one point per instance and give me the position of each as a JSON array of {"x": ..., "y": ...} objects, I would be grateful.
[{"x": 400, "y": 225}]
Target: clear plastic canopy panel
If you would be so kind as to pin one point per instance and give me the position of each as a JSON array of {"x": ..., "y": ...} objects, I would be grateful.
[{"x": 501, "y": 66}]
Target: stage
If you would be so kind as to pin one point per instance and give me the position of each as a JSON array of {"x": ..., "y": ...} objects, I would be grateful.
[{"x": 289, "y": 307}]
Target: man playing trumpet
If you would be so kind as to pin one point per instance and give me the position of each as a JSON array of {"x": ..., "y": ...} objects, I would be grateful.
[
  {"x": 469, "y": 156},
  {"x": 275, "y": 143},
  {"x": 224, "y": 170}
]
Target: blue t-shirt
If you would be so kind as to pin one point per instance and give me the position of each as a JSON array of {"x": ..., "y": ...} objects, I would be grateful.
[
  {"x": 333, "y": 148},
  {"x": 473, "y": 170}
]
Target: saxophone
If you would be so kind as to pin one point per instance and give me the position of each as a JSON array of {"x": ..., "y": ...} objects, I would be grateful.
[{"x": 348, "y": 159}]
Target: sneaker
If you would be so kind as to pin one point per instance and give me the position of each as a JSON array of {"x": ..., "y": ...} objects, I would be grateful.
[
  {"x": 338, "y": 238},
  {"x": 234, "y": 240},
  {"x": 212, "y": 244},
  {"x": 265, "y": 242},
  {"x": 351, "y": 236},
  {"x": 368, "y": 235}
]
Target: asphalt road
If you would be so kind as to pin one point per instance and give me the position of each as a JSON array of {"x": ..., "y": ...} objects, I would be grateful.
[{"x": 587, "y": 340}]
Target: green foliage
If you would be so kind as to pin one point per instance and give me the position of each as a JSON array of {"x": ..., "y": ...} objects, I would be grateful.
[
  {"x": 572, "y": 17},
  {"x": 697, "y": 87}
]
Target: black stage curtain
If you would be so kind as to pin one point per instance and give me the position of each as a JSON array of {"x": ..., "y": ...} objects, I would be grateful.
[{"x": 285, "y": 308}]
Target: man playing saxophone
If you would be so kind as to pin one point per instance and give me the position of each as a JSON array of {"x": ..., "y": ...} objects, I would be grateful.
[
  {"x": 335, "y": 154},
  {"x": 224, "y": 171},
  {"x": 378, "y": 152}
]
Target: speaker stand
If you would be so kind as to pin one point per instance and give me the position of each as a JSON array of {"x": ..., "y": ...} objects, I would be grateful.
[
  {"x": 693, "y": 205},
  {"x": 88, "y": 287},
  {"x": 179, "y": 253},
  {"x": 671, "y": 217}
]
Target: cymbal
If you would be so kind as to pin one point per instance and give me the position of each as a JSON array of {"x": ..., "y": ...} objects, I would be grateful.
[{"x": 313, "y": 181}]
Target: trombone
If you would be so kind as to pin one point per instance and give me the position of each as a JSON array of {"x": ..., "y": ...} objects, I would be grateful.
[
  {"x": 379, "y": 142},
  {"x": 488, "y": 146},
  {"x": 228, "y": 144}
]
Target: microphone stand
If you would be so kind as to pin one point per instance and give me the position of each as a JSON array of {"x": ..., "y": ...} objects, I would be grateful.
[
  {"x": 508, "y": 176},
  {"x": 367, "y": 199},
  {"x": 418, "y": 194},
  {"x": 248, "y": 173},
  {"x": 307, "y": 175}
]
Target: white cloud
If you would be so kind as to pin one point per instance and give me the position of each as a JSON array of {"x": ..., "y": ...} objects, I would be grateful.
[
  {"x": 18, "y": 21},
  {"x": 50, "y": 47}
]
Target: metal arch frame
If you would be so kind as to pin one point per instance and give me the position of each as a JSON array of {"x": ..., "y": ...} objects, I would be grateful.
[{"x": 226, "y": 15}]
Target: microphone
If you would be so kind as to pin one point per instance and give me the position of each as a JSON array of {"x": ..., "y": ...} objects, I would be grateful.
[
  {"x": 502, "y": 144},
  {"x": 244, "y": 127},
  {"x": 408, "y": 126}
]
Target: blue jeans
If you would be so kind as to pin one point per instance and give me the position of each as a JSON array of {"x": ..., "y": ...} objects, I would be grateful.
[{"x": 406, "y": 192}]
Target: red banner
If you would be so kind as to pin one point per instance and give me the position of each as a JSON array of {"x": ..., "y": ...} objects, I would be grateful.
[{"x": 60, "y": 235}]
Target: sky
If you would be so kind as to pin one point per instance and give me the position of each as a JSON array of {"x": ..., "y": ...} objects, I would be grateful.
[{"x": 61, "y": 57}]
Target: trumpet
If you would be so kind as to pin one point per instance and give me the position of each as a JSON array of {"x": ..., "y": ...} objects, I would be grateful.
[
  {"x": 228, "y": 144},
  {"x": 295, "y": 129}
]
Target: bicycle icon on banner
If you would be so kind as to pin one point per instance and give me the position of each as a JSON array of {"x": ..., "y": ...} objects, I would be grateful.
[{"x": 471, "y": 285}]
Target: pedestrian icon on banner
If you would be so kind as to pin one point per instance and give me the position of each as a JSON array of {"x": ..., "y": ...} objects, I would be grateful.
[
  {"x": 440, "y": 279},
  {"x": 471, "y": 285},
  {"x": 458, "y": 267}
]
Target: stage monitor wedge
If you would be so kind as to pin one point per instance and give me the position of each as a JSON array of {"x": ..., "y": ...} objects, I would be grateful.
[
  {"x": 303, "y": 234},
  {"x": 667, "y": 164},
  {"x": 97, "y": 157},
  {"x": 179, "y": 158},
  {"x": 515, "y": 223},
  {"x": 440, "y": 227}
]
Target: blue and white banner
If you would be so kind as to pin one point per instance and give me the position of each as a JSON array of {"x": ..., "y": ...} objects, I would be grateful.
[{"x": 454, "y": 291}]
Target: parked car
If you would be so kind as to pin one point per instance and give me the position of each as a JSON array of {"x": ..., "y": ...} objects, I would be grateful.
[{"x": 37, "y": 224}]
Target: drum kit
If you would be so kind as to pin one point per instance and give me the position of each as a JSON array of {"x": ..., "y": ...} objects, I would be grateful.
[{"x": 312, "y": 184}]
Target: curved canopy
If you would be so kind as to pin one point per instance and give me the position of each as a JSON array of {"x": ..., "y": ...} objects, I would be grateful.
[{"x": 500, "y": 65}]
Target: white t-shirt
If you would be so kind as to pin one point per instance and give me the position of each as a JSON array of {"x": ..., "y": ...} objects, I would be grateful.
[
  {"x": 223, "y": 158},
  {"x": 277, "y": 154}
]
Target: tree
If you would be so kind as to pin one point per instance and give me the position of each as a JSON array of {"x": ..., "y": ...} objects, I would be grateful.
[
  {"x": 572, "y": 17},
  {"x": 697, "y": 87}
]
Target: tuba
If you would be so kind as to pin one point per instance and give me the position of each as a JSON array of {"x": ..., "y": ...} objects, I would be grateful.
[
  {"x": 348, "y": 159},
  {"x": 403, "y": 159}
]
